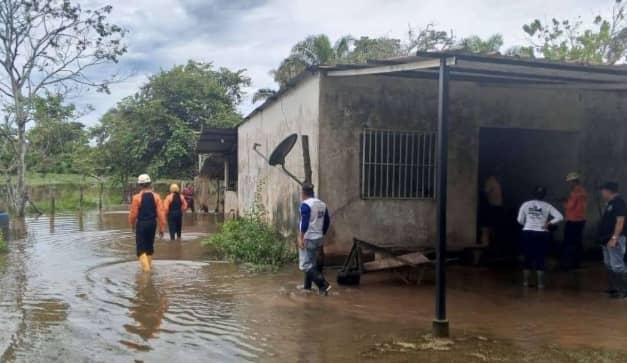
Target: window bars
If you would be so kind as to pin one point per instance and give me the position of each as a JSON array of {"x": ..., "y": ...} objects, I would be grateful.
[{"x": 397, "y": 164}]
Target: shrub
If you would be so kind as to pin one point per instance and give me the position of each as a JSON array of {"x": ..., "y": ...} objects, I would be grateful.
[{"x": 251, "y": 241}]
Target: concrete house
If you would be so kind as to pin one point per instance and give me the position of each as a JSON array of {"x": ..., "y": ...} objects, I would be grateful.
[{"x": 372, "y": 137}]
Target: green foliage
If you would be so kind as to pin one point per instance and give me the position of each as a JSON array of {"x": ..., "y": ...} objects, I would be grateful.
[
  {"x": 317, "y": 49},
  {"x": 3, "y": 243},
  {"x": 156, "y": 130},
  {"x": 603, "y": 41},
  {"x": 250, "y": 240},
  {"x": 475, "y": 44},
  {"x": 56, "y": 138},
  {"x": 365, "y": 48}
]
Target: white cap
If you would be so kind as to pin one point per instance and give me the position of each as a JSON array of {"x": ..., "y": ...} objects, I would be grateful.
[
  {"x": 143, "y": 179},
  {"x": 573, "y": 176}
]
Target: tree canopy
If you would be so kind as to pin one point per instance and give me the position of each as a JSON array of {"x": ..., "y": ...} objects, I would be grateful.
[
  {"x": 318, "y": 49},
  {"x": 604, "y": 40},
  {"x": 156, "y": 129}
]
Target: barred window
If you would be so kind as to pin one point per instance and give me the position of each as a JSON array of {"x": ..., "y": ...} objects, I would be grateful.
[{"x": 397, "y": 164}]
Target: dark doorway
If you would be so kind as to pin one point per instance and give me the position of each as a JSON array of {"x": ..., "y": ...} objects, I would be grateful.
[{"x": 521, "y": 159}]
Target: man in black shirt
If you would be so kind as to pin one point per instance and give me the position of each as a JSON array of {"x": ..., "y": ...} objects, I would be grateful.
[{"x": 612, "y": 239}]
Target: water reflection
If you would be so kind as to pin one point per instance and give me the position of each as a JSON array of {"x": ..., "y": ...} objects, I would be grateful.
[{"x": 148, "y": 307}]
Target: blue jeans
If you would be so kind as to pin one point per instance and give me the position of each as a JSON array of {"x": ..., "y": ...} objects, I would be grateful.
[
  {"x": 614, "y": 257},
  {"x": 308, "y": 257},
  {"x": 308, "y": 263}
]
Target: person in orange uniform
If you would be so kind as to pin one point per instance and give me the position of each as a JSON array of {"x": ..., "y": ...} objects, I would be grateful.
[
  {"x": 175, "y": 205},
  {"x": 146, "y": 213},
  {"x": 575, "y": 210}
]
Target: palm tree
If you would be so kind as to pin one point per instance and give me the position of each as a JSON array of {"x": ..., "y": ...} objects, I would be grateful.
[
  {"x": 312, "y": 51},
  {"x": 262, "y": 94}
]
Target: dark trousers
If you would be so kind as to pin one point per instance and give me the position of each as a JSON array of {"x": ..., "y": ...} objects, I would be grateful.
[
  {"x": 175, "y": 225},
  {"x": 535, "y": 246},
  {"x": 573, "y": 244},
  {"x": 145, "y": 237},
  {"x": 190, "y": 204}
]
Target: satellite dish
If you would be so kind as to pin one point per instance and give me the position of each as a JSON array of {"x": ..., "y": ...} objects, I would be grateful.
[{"x": 280, "y": 152}]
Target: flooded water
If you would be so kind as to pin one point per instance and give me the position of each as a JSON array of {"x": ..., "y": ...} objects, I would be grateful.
[{"x": 71, "y": 291}]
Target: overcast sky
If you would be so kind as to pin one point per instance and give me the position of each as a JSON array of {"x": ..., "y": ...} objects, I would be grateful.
[{"x": 258, "y": 34}]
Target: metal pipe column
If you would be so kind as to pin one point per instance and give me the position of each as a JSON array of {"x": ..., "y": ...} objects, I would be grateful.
[{"x": 440, "y": 323}]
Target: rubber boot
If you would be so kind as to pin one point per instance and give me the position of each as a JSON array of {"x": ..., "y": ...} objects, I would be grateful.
[
  {"x": 526, "y": 277},
  {"x": 620, "y": 281},
  {"x": 611, "y": 283},
  {"x": 144, "y": 263},
  {"x": 307, "y": 283},
  {"x": 540, "y": 275}
]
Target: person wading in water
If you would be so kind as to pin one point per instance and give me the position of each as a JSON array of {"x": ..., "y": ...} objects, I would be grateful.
[
  {"x": 175, "y": 205},
  {"x": 146, "y": 212},
  {"x": 537, "y": 216},
  {"x": 314, "y": 224}
]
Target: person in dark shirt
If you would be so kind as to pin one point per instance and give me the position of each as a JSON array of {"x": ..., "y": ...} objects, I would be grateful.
[{"x": 612, "y": 238}]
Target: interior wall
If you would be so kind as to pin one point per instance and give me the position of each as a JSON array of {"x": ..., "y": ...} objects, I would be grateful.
[{"x": 522, "y": 159}]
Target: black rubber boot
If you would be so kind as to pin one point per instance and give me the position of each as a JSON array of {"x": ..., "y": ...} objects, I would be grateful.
[
  {"x": 307, "y": 284},
  {"x": 611, "y": 283}
]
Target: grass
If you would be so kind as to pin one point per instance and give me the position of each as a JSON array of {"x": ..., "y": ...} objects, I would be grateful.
[
  {"x": 68, "y": 192},
  {"x": 38, "y": 179}
]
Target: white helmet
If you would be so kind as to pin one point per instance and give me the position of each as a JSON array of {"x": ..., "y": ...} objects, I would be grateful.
[
  {"x": 573, "y": 176},
  {"x": 143, "y": 179}
]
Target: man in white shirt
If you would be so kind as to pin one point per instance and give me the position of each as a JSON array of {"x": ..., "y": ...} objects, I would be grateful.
[
  {"x": 536, "y": 216},
  {"x": 314, "y": 224}
]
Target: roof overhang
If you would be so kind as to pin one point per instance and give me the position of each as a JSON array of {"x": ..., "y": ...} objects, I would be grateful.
[
  {"x": 493, "y": 69},
  {"x": 223, "y": 141}
]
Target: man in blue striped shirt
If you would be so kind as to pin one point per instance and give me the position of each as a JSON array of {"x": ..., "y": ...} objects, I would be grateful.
[{"x": 314, "y": 224}]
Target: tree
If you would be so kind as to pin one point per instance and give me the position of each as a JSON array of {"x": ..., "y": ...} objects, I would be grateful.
[
  {"x": 47, "y": 46},
  {"x": 263, "y": 94},
  {"x": 317, "y": 49},
  {"x": 364, "y": 49},
  {"x": 475, "y": 44},
  {"x": 428, "y": 39},
  {"x": 55, "y": 136},
  {"x": 604, "y": 41},
  {"x": 156, "y": 130}
]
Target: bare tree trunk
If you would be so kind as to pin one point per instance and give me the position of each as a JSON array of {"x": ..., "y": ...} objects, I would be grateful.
[{"x": 20, "y": 192}]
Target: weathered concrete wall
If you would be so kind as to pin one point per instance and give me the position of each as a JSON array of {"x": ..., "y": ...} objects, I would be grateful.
[
  {"x": 350, "y": 104},
  {"x": 295, "y": 112}
]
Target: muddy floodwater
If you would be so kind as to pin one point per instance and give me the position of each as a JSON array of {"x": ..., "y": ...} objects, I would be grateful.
[{"x": 71, "y": 291}]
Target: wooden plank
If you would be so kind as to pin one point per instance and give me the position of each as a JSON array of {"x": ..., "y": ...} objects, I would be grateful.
[{"x": 410, "y": 259}]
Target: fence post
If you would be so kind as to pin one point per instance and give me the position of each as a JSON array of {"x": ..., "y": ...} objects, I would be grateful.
[{"x": 52, "y": 199}]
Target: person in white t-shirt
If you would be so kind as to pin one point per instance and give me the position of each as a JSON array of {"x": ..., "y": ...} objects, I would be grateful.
[
  {"x": 536, "y": 216},
  {"x": 314, "y": 224}
]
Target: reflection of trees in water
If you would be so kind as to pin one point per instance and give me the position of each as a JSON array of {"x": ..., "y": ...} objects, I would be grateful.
[
  {"x": 148, "y": 308},
  {"x": 36, "y": 315}
]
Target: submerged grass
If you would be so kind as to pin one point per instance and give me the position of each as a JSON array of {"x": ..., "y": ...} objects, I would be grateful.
[{"x": 251, "y": 241}]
